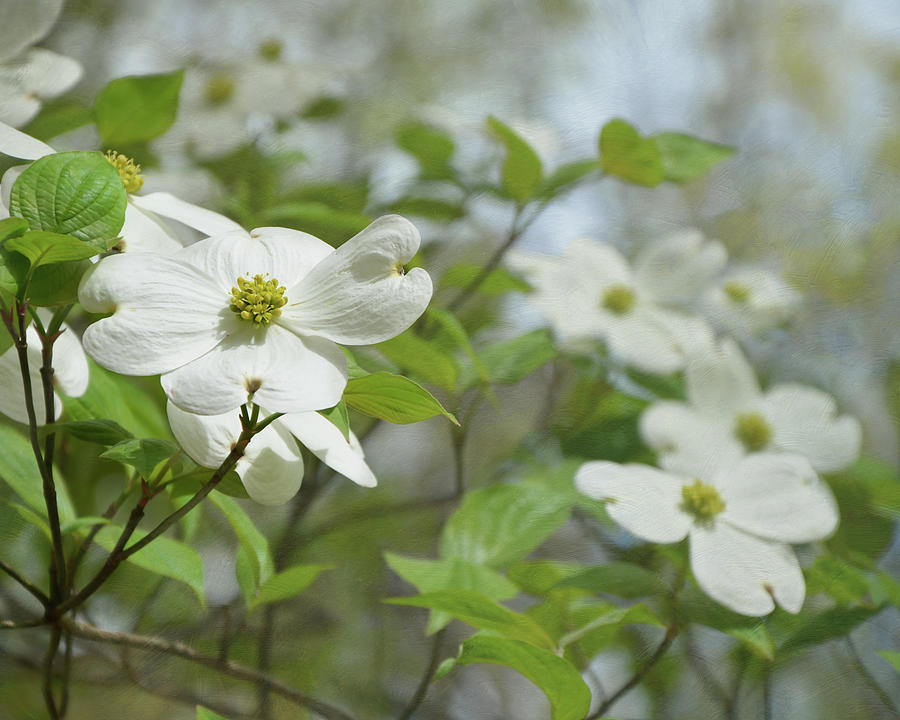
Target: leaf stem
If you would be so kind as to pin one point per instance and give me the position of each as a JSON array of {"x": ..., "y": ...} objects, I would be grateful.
[
  {"x": 422, "y": 689},
  {"x": 28, "y": 585}
]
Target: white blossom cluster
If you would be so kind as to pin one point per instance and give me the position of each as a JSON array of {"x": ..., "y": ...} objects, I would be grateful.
[{"x": 737, "y": 467}]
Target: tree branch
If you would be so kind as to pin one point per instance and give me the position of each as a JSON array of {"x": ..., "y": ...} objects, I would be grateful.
[{"x": 29, "y": 586}]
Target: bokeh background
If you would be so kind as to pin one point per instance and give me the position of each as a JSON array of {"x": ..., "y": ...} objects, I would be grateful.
[{"x": 808, "y": 93}]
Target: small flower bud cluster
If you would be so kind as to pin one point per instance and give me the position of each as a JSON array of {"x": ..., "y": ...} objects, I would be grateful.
[
  {"x": 257, "y": 299},
  {"x": 702, "y": 501},
  {"x": 128, "y": 170},
  {"x": 753, "y": 431},
  {"x": 619, "y": 299}
]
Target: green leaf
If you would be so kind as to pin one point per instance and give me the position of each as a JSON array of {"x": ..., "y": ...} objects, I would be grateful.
[
  {"x": 628, "y": 156},
  {"x": 500, "y": 524},
  {"x": 832, "y": 623},
  {"x": 638, "y": 614},
  {"x": 190, "y": 480},
  {"x": 892, "y": 657},
  {"x": 560, "y": 681},
  {"x": 56, "y": 284},
  {"x": 521, "y": 173},
  {"x": 338, "y": 417},
  {"x": 57, "y": 118},
  {"x": 510, "y": 361},
  {"x": 393, "y": 398},
  {"x": 287, "y": 584},
  {"x": 143, "y": 454},
  {"x": 421, "y": 358},
  {"x": 566, "y": 175},
  {"x": 617, "y": 578},
  {"x": 164, "y": 556},
  {"x": 447, "y": 664},
  {"x": 100, "y": 431},
  {"x": 12, "y": 227},
  {"x": 749, "y": 631},
  {"x": 72, "y": 193},
  {"x": 685, "y": 158},
  {"x": 86, "y": 521},
  {"x": 32, "y": 518},
  {"x": 431, "y": 208},
  {"x": 207, "y": 714},
  {"x": 837, "y": 579},
  {"x": 433, "y": 575},
  {"x": 481, "y": 612},
  {"x": 252, "y": 541},
  {"x": 47, "y": 248},
  {"x": 453, "y": 327},
  {"x": 431, "y": 148},
  {"x": 19, "y": 470},
  {"x": 137, "y": 108},
  {"x": 541, "y": 577},
  {"x": 498, "y": 282},
  {"x": 317, "y": 218},
  {"x": 323, "y": 108}
]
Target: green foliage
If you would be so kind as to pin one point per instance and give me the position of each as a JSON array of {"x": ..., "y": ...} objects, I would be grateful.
[
  {"x": 338, "y": 417},
  {"x": 498, "y": 282},
  {"x": 143, "y": 454},
  {"x": 569, "y": 697},
  {"x": 100, "y": 431},
  {"x": 892, "y": 657},
  {"x": 617, "y": 578},
  {"x": 565, "y": 176},
  {"x": 431, "y": 208},
  {"x": 512, "y": 360},
  {"x": 58, "y": 117},
  {"x": 138, "y": 108},
  {"x": 521, "y": 173},
  {"x": 164, "y": 556},
  {"x": 393, "y": 398},
  {"x": 837, "y": 579},
  {"x": 628, "y": 156},
  {"x": 316, "y": 218},
  {"x": 46, "y": 248},
  {"x": 287, "y": 584},
  {"x": 421, "y": 358},
  {"x": 207, "y": 714},
  {"x": 12, "y": 227},
  {"x": 72, "y": 193},
  {"x": 498, "y": 525},
  {"x": 751, "y": 632},
  {"x": 432, "y": 149},
  {"x": 832, "y": 623},
  {"x": 685, "y": 158}
]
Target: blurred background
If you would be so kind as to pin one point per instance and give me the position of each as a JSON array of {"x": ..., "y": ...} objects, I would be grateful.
[{"x": 807, "y": 92}]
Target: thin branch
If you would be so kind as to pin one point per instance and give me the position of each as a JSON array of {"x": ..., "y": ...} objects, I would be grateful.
[
  {"x": 368, "y": 513},
  {"x": 639, "y": 675},
  {"x": 18, "y": 625},
  {"x": 47, "y": 685},
  {"x": 29, "y": 586},
  {"x": 768, "y": 698},
  {"x": 422, "y": 690},
  {"x": 229, "y": 668},
  {"x": 66, "y": 675}
]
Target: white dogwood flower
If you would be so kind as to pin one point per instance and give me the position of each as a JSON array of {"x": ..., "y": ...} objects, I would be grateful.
[
  {"x": 254, "y": 314},
  {"x": 746, "y": 301},
  {"x": 727, "y": 415},
  {"x": 592, "y": 292},
  {"x": 70, "y": 373},
  {"x": 143, "y": 230},
  {"x": 740, "y": 519},
  {"x": 30, "y": 75},
  {"x": 272, "y": 466}
]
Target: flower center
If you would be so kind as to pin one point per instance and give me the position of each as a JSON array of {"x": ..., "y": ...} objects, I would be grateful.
[
  {"x": 219, "y": 89},
  {"x": 618, "y": 299},
  {"x": 271, "y": 49},
  {"x": 128, "y": 170},
  {"x": 701, "y": 501},
  {"x": 753, "y": 431},
  {"x": 738, "y": 292},
  {"x": 257, "y": 299}
]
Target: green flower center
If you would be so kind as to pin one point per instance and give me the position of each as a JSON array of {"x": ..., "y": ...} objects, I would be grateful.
[
  {"x": 219, "y": 89},
  {"x": 701, "y": 501},
  {"x": 753, "y": 431},
  {"x": 271, "y": 49},
  {"x": 738, "y": 292},
  {"x": 257, "y": 299},
  {"x": 618, "y": 299},
  {"x": 128, "y": 170}
]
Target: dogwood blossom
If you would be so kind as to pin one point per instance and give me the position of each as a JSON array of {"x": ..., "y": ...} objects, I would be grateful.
[
  {"x": 747, "y": 300},
  {"x": 740, "y": 518},
  {"x": 30, "y": 75},
  {"x": 254, "y": 314},
  {"x": 592, "y": 292},
  {"x": 271, "y": 468},
  {"x": 143, "y": 230},
  {"x": 726, "y": 414},
  {"x": 70, "y": 373}
]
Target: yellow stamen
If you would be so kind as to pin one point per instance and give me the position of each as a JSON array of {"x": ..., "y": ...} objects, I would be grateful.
[
  {"x": 753, "y": 431},
  {"x": 219, "y": 89},
  {"x": 619, "y": 299},
  {"x": 128, "y": 170},
  {"x": 271, "y": 49},
  {"x": 738, "y": 292},
  {"x": 257, "y": 299},
  {"x": 701, "y": 501}
]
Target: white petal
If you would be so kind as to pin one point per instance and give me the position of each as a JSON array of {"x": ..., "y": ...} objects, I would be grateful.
[
  {"x": 290, "y": 374},
  {"x": 12, "y": 396},
  {"x": 16, "y": 108},
  {"x": 19, "y": 145},
  {"x": 804, "y": 420},
  {"x": 722, "y": 383},
  {"x": 206, "y": 221},
  {"x": 654, "y": 340},
  {"x": 357, "y": 295},
  {"x": 675, "y": 269},
  {"x": 327, "y": 443},
  {"x": 643, "y": 500},
  {"x": 70, "y": 367},
  {"x": 142, "y": 233},
  {"x": 769, "y": 302},
  {"x": 166, "y": 313},
  {"x": 25, "y": 22},
  {"x": 687, "y": 442},
  {"x": 271, "y": 468},
  {"x": 45, "y": 74},
  {"x": 778, "y": 496},
  {"x": 597, "y": 263},
  {"x": 743, "y": 572},
  {"x": 281, "y": 254}
]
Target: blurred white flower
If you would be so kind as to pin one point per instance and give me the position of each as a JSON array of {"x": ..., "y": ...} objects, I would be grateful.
[
  {"x": 30, "y": 75},
  {"x": 592, "y": 292},
  {"x": 255, "y": 313},
  {"x": 739, "y": 517},
  {"x": 272, "y": 467},
  {"x": 748, "y": 300},
  {"x": 70, "y": 373},
  {"x": 727, "y": 415},
  {"x": 142, "y": 231}
]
